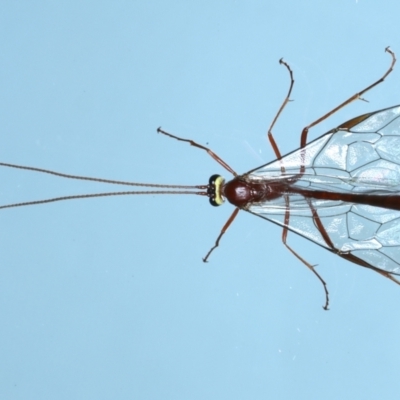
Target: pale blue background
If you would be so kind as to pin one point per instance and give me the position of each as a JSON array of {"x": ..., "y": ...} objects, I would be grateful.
[{"x": 109, "y": 298}]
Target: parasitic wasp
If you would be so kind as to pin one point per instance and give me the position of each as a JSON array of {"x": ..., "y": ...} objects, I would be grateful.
[{"x": 341, "y": 190}]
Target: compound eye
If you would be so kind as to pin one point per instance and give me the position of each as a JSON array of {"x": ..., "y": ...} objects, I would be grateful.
[
  {"x": 213, "y": 202},
  {"x": 214, "y": 190},
  {"x": 213, "y": 179}
]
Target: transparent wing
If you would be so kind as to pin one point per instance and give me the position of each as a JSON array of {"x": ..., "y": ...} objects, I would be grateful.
[{"x": 360, "y": 156}]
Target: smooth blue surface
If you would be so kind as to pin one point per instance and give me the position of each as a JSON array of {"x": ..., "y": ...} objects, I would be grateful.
[{"x": 109, "y": 298}]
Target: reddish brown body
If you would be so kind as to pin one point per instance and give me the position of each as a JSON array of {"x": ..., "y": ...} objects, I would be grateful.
[
  {"x": 241, "y": 191},
  {"x": 286, "y": 197}
]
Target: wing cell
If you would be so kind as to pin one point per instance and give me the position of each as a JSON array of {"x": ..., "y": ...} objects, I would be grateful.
[{"x": 362, "y": 159}]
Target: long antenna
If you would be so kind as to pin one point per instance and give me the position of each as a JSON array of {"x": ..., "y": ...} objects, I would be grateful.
[
  {"x": 194, "y": 189},
  {"x": 88, "y": 178},
  {"x": 86, "y": 196}
]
